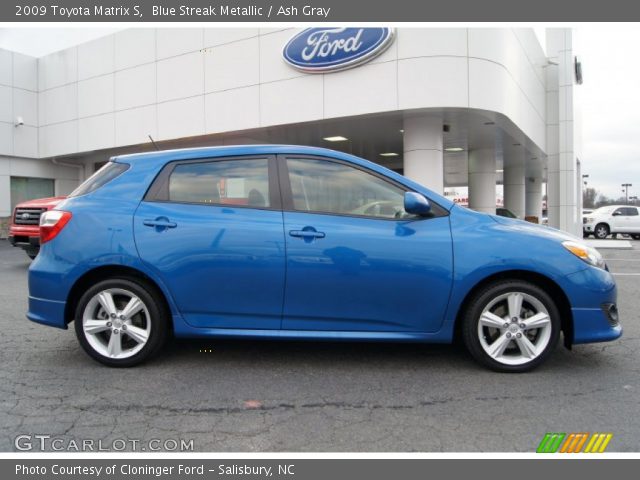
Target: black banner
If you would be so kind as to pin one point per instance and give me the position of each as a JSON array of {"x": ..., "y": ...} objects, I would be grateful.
[
  {"x": 316, "y": 11},
  {"x": 317, "y": 469}
]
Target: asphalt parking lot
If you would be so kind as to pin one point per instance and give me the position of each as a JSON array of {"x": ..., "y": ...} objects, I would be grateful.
[{"x": 276, "y": 396}]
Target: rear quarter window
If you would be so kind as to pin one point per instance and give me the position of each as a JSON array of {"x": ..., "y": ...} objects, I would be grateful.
[{"x": 103, "y": 176}]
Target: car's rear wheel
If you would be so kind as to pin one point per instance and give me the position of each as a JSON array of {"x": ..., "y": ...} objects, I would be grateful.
[
  {"x": 511, "y": 326},
  {"x": 635, "y": 236},
  {"x": 121, "y": 322},
  {"x": 601, "y": 231}
]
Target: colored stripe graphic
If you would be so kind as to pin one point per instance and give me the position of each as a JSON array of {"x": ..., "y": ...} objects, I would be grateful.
[
  {"x": 574, "y": 442},
  {"x": 554, "y": 442},
  {"x": 598, "y": 443},
  {"x": 551, "y": 442}
]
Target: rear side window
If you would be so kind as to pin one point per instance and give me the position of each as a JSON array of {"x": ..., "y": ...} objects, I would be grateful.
[
  {"x": 226, "y": 182},
  {"x": 103, "y": 176}
]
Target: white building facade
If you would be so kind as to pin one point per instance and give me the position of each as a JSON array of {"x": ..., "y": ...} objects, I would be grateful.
[{"x": 453, "y": 107}]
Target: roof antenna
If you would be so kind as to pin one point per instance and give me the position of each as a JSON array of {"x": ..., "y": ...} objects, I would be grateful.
[{"x": 154, "y": 143}]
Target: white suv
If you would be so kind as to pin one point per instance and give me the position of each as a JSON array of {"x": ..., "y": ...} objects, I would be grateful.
[{"x": 612, "y": 219}]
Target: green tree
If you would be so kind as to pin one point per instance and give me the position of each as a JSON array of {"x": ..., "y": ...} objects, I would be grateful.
[{"x": 589, "y": 197}]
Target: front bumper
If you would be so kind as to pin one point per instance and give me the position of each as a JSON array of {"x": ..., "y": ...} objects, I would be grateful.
[
  {"x": 592, "y": 325},
  {"x": 592, "y": 293},
  {"x": 24, "y": 241}
]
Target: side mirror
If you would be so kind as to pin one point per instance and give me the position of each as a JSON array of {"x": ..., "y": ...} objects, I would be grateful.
[
  {"x": 617, "y": 214},
  {"x": 416, "y": 204}
]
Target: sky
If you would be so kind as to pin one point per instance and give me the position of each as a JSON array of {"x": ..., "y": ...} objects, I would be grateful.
[
  {"x": 609, "y": 98},
  {"x": 610, "y": 103}
]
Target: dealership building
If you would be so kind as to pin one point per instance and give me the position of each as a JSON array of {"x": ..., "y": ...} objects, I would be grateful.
[{"x": 485, "y": 111}]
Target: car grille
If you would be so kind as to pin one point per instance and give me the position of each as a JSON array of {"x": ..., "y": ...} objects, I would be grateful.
[{"x": 28, "y": 216}]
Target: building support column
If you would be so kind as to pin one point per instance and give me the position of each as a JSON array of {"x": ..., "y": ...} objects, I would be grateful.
[
  {"x": 482, "y": 180},
  {"x": 423, "y": 162},
  {"x": 533, "y": 197},
  {"x": 562, "y": 191},
  {"x": 514, "y": 189}
]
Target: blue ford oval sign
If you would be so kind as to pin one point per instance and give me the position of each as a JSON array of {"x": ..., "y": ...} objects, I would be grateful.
[{"x": 326, "y": 49}]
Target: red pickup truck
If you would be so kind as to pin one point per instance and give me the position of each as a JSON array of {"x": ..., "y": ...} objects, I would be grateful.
[{"x": 24, "y": 231}]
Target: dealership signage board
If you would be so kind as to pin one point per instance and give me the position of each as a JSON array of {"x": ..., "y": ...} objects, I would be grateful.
[{"x": 322, "y": 50}]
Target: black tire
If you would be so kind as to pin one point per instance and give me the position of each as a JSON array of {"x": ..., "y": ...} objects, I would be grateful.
[
  {"x": 635, "y": 236},
  {"x": 158, "y": 318},
  {"x": 601, "y": 231},
  {"x": 32, "y": 253},
  {"x": 483, "y": 298}
]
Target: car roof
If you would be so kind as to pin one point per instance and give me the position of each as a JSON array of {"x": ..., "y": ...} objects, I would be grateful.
[
  {"x": 229, "y": 150},
  {"x": 616, "y": 206}
]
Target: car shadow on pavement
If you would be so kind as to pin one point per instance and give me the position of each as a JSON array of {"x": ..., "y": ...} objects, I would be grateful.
[
  {"x": 241, "y": 354},
  {"x": 311, "y": 352}
]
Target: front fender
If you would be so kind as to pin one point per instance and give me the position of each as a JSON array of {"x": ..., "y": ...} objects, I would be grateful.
[{"x": 484, "y": 247}]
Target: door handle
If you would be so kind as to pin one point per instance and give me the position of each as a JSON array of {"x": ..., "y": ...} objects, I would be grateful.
[
  {"x": 160, "y": 223},
  {"x": 306, "y": 234}
]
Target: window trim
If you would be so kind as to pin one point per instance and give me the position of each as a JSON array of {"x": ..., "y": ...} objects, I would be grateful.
[
  {"x": 287, "y": 192},
  {"x": 158, "y": 191}
]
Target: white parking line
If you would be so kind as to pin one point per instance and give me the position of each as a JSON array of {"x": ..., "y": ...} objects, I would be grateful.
[
  {"x": 625, "y": 274},
  {"x": 623, "y": 259}
]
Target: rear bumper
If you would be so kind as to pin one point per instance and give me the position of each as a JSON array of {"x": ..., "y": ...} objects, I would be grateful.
[{"x": 47, "y": 312}]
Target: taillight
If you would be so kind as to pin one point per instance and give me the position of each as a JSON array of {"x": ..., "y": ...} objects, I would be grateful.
[{"x": 52, "y": 223}]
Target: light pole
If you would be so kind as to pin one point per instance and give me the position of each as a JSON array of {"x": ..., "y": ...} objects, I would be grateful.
[
  {"x": 625, "y": 189},
  {"x": 583, "y": 179}
]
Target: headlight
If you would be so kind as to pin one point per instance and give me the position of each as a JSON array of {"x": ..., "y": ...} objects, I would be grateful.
[{"x": 588, "y": 254}]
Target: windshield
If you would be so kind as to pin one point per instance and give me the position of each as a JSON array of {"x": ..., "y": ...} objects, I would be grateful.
[
  {"x": 107, "y": 173},
  {"x": 503, "y": 212}
]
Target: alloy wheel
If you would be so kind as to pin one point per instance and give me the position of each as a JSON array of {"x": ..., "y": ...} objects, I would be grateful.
[
  {"x": 514, "y": 328},
  {"x": 602, "y": 231},
  {"x": 116, "y": 323}
]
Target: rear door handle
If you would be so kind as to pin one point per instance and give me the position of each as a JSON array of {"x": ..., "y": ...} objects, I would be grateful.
[
  {"x": 306, "y": 234},
  {"x": 160, "y": 223}
]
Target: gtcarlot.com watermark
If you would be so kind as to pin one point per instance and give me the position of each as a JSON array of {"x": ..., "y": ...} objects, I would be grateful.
[{"x": 44, "y": 443}]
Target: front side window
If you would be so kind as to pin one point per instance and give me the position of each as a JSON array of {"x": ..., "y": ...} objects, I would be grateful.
[
  {"x": 631, "y": 211},
  {"x": 226, "y": 182},
  {"x": 329, "y": 187},
  {"x": 621, "y": 211}
]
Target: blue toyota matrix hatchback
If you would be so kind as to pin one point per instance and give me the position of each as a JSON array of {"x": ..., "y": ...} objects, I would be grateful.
[{"x": 290, "y": 242}]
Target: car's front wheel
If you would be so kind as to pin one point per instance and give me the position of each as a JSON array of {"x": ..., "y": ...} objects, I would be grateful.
[
  {"x": 511, "y": 326},
  {"x": 601, "y": 231},
  {"x": 121, "y": 322}
]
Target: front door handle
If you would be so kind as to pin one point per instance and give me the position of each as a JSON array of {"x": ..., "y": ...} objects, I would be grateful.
[
  {"x": 306, "y": 234},
  {"x": 160, "y": 223}
]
